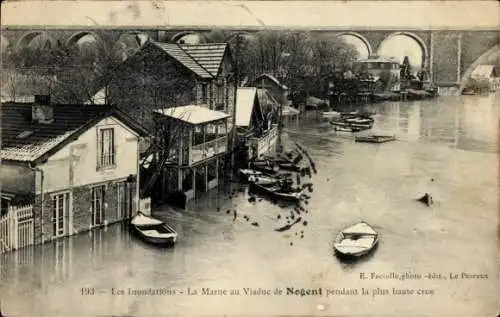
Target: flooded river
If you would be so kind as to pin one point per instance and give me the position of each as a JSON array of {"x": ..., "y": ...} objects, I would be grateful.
[{"x": 447, "y": 147}]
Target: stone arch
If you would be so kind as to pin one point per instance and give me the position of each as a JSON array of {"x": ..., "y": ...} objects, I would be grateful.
[
  {"x": 418, "y": 39},
  {"x": 480, "y": 60},
  {"x": 359, "y": 36},
  {"x": 125, "y": 50},
  {"x": 179, "y": 35},
  {"x": 74, "y": 38},
  {"x": 27, "y": 38}
]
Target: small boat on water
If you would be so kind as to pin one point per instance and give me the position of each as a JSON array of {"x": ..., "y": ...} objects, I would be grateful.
[
  {"x": 277, "y": 192},
  {"x": 356, "y": 240},
  {"x": 375, "y": 138},
  {"x": 347, "y": 129},
  {"x": 265, "y": 167},
  {"x": 263, "y": 179},
  {"x": 331, "y": 114},
  {"x": 358, "y": 120},
  {"x": 152, "y": 230},
  {"x": 351, "y": 125}
]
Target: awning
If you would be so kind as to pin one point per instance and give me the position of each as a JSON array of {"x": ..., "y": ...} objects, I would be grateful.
[
  {"x": 193, "y": 114},
  {"x": 245, "y": 99}
]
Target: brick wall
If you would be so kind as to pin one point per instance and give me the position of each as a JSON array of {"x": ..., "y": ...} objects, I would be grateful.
[{"x": 81, "y": 211}]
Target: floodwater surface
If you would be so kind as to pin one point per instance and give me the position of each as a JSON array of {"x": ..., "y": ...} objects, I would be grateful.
[{"x": 447, "y": 147}]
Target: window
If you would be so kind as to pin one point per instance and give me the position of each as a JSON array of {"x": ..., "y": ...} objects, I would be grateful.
[
  {"x": 204, "y": 93},
  {"x": 106, "y": 148},
  {"x": 60, "y": 211},
  {"x": 97, "y": 208}
]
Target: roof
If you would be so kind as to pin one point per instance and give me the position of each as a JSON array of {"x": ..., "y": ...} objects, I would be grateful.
[
  {"x": 24, "y": 141},
  {"x": 267, "y": 100},
  {"x": 209, "y": 56},
  {"x": 483, "y": 71},
  {"x": 378, "y": 59},
  {"x": 193, "y": 114},
  {"x": 245, "y": 100},
  {"x": 271, "y": 78},
  {"x": 178, "y": 53}
]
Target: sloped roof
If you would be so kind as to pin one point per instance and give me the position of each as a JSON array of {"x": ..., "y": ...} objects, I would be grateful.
[
  {"x": 245, "y": 100},
  {"x": 483, "y": 71},
  {"x": 209, "y": 56},
  {"x": 266, "y": 100},
  {"x": 177, "y": 52},
  {"x": 271, "y": 78},
  {"x": 24, "y": 141},
  {"x": 193, "y": 114}
]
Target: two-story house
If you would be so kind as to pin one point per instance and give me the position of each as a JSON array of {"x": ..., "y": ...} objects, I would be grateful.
[
  {"x": 159, "y": 76},
  {"x": 78, "y": 163}
]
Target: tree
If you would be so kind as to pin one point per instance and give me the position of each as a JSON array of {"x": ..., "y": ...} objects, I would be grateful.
[{"x": 406, "y": 71}]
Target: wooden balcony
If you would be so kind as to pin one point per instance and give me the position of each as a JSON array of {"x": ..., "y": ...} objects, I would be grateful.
[{"x": 207, "y": 150}]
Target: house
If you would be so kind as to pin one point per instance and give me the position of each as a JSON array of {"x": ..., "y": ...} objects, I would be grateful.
[
  {"x": 257, "y": 134},
  {"x": 385, "y": 69},
  {"x": 193, "y": 150},
  {"x": 160, "y": 76},
  {"x": 67, "y": 168},
  {"x": 164, "y": 75},
  {"x": 484, "y": 77}
]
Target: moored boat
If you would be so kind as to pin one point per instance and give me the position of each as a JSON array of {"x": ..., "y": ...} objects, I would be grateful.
[
  {"x": 331, "y": 114},
  {"x": 351, "y": 124},
  {"x": 153, "y": 230},
  {"x": 277, "y": 192},
  {"x": 263, "y": 179},
  {"x": 375, "y": 138},
  {"x": 356, "y": 240},
  {"x": 347, "y": 129}
]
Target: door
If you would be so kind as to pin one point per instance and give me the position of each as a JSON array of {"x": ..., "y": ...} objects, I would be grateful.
[
  {"x": 124, "y": 201},
  {"x": 60, "y": 212},
  {"x": 98, "y": 195}
]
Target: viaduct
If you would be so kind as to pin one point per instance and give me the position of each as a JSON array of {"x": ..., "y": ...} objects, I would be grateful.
[{"x": 450, "y": 55}]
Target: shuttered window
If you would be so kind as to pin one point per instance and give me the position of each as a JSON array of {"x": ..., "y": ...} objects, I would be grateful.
[{"x": 106, "y": 148}]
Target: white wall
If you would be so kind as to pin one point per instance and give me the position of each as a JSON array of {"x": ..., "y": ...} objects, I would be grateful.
[{"x": 57, "y": 168}]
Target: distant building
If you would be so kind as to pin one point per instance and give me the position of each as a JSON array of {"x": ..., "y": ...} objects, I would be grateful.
[
  {"x": 484, "y": 77},
  {"x": 385, "y": 69}
]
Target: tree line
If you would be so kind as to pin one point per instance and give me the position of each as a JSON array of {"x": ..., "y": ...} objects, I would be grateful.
[{"x": 301, "y": 60}]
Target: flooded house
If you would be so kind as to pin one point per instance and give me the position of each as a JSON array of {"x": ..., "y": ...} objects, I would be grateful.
[
  {"x": 65, "y": 169},
  {"x": 383, "y": 69},
  {"x": 198, "y": 81},
  {"x": 484, "y": 78},
  {"x": 257, "y": 134}
]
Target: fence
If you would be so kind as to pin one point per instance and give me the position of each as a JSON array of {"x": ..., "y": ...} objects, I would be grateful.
[{"x": 17, "y": 228}]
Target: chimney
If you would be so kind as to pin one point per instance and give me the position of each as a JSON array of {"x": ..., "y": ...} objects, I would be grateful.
[{"x": 42, "y": 111}]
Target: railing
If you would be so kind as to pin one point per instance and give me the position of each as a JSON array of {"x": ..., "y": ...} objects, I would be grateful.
[
  {"x": 17, "y": 228},
  {"x": 207, "y": 150},
  {"x": 266, "y": 143}
]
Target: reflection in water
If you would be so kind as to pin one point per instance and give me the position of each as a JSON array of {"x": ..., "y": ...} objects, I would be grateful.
[{"x": 447, "y": 147}]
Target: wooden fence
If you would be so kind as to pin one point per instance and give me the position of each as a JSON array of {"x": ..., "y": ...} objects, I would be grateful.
[{"x": 17, "y": 228}]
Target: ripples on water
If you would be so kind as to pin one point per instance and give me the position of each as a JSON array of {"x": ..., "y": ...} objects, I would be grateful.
[{"x": 451, "y": 140}]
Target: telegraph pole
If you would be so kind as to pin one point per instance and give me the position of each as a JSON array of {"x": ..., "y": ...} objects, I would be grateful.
[{"x": 236, "y": 81}]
